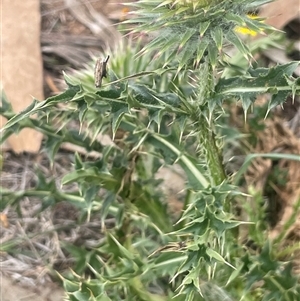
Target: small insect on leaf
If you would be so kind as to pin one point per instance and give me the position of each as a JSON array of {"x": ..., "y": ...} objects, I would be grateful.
[{"x": 100, "y": 71}]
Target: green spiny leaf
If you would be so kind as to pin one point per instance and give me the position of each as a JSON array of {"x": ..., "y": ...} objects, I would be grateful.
[
  {"x": 186, "y": 55},
  {"x": 102, "y": 297},
  {"x": 187, "y": 36},
  {"x": 203, "y": 26},
  {"x": 212, "y": 54},
  {"x": 122, "y": 252},
  {"x": 89, "y": 174},
  {"x": 239, "y": 44},
  {"x": 201, "y": 49},
  {"x": 213, "y": 254},
  {"x": 118, "y": 109},
  {"x": 237, "y": 19},
  {"x": 172, "y": 152},
  {"x": 217, "y": 36}
]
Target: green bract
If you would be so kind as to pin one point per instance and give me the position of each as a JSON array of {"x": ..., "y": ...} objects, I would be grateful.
[{"x": 192, "y": 30}]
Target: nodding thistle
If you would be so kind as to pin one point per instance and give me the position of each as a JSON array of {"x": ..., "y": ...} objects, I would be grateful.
[{"x": 100, "y": 71}]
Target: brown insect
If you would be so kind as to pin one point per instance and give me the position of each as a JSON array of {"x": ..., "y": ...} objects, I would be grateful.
[{"x": 100, "y": 71}]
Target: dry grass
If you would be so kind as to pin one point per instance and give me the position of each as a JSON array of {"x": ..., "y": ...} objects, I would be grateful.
[
  {"x": 279, "y": 181},
  {"x": 31, "y": 236}
]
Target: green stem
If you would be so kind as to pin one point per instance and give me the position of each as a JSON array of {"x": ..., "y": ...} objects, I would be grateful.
[
  {"x": 42, "y": 194},
  {"x": 202, "y": 117},
  {"x": 212, "y": 154},
  {"x": 213, "y": 159}
]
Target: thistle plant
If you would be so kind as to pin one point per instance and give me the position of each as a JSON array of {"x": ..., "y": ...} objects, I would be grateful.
[{"x": 160, "y": 105}]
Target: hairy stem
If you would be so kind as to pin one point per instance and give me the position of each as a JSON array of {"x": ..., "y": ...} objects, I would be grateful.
[
  {"x": 205, "y": 124},
  {"x": 212, "y": 154}
]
